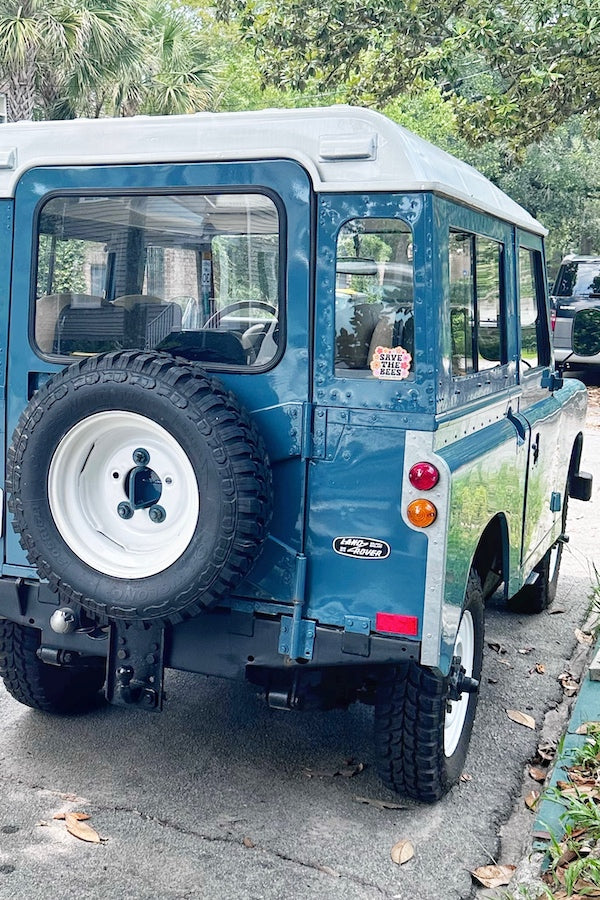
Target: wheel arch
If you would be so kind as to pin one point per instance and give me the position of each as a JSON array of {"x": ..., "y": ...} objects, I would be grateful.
[{"x": 491, "y": 557}]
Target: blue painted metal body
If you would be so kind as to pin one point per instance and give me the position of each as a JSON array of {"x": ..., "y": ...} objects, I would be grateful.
[{"x": 337, "y": 444}]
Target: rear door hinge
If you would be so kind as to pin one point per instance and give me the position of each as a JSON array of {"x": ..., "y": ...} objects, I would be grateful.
[{"x": 297, "y": 637}]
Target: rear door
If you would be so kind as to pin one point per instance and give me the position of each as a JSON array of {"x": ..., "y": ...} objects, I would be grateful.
[
  {"x": 6, "y": 244},
  {"x": 538, "y": 404},
  {"x": 208, "y": 261},
  {"x": 363, "y": 557}
]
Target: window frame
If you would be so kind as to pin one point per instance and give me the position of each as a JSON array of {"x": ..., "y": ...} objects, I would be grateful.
[
  {"x": 474, "y": 308},
  {"x": 364, "y": 372},
  {"x": 543, "y": 335}
]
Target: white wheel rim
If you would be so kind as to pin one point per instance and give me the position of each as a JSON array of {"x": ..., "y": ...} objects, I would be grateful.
[
  {"x": 88, "y": 479},
  {"x": 456, "y": 713}
]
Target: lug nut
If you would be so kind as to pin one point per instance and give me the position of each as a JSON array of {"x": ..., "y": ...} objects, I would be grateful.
[
  {"x": 124, "y": 510},
  {"x": 141, "y": 457},
  {"x": 157, "y": 513}
]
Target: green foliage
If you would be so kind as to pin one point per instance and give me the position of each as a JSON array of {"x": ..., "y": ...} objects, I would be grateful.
[
  {"x": 118, "y": 57},
  {"x": 508, "y": 68},
  {"x": 60, "y": 268},
  {"x": 558, "y": 182}
]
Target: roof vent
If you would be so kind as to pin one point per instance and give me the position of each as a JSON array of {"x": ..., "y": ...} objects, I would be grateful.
[{"x": 347, "y": 146}]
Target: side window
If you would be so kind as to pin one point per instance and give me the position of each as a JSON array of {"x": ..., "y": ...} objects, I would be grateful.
[
  {"x": 476, "y": 303},
  {"x": 374, "y": 327},
  {"x": 197, "y": 275},
  {"x": 535, "y": 344}
]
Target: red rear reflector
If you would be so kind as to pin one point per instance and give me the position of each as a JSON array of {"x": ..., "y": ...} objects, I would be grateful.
[
  {"x": 396, "y": 624},
  {"x": 552, "y": 319}
]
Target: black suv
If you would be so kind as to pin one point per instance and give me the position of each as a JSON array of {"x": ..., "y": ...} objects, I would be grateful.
[{"x": 577, "y": 286}]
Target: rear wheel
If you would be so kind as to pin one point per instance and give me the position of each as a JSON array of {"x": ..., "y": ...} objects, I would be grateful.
[
  {"x": 423, "y": 721},
  {"x": 52, "y": 689}
]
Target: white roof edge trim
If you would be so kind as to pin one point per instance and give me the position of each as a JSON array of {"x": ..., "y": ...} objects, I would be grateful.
[{"x": 400, "y": 162}]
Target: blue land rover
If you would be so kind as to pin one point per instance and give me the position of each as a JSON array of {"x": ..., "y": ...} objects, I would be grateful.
[{"x": 279, "y": 404}]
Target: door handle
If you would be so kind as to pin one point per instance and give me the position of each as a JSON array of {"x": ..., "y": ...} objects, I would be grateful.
[
  {"x": 518, "y": 423},
  {"x": 535, "y": 448}
]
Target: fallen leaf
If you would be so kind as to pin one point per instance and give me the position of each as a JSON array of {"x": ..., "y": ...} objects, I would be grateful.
[
  {"x": 588, "y": 728},
  {"x": 531, "y": 799},
  {"x": 525, "y": 650},
  {"x": 569, "y": 684},
  {"x": 581, "y": 776},
  {"x": 583, "y": 637},
  {"x": 539, "y": 669},
  {"x": 380, "y": 804},
  {"x": 578, "y": 791},
  {"x": 521, "y": 718},
  {"x": 541, "y": 835},
  {"x": 492, "y": 681},
  {"x": 329, "y": 871},
  {"x": 546, "y": 750},
  {"x": 249, "y": 843},
  {"x": 81, "y": 830},
  {"x": 496, "y": 647},
  {"x": 80, "y": 816},
  {"x": 556, "y": 611},
  {"x": 42, "y": 824},
  {"x": 466, "y": 777},
  {"x": 494, "y": 876},
  {"x": 537, "y": 774},
  {"x": 506, "y": 663},
  {"x": 402, "y": 852}
]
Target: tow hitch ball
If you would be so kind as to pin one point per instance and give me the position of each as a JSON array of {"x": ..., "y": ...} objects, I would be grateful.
[{"x": 459, "y": 682}]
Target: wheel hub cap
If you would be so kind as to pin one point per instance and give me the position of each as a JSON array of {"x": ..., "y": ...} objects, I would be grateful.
[{"x": 106, "y": 479}]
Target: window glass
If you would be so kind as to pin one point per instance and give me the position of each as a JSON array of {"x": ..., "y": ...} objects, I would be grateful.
[
  {"x": 476, "y": 303},
  {"x": 578, "y": 279},
  {"x": 374, "y": 327},
  {"x": 193, "y": 274},
  {"x": 462, "y": 301},
  {"x": 535, "y": 343},
  {"x": 489, "y": 289}
]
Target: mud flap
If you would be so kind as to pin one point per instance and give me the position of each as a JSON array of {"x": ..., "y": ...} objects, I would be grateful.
[
  {"x": 580, "y": 487},
  {"x": 135, "y": 665}
]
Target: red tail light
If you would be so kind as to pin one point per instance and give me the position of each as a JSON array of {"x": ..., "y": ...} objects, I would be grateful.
[
  {"x": 423, "y": 476},
  {"x": 552, "y": 319}
]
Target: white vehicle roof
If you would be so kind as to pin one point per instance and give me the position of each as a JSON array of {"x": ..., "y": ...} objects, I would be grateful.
[{"x": 342, "y": 148}]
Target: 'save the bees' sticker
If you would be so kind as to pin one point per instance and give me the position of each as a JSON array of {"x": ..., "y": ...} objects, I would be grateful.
[
  {"x": 361, "y": 547},
  {"x": 392, "y": 363}
]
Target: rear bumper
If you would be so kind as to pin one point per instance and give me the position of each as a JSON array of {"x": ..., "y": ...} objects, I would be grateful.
[{"x": 219, "y": 642}]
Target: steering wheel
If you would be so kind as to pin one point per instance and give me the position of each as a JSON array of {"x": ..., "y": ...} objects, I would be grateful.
[{"x": 215, "y": 320}]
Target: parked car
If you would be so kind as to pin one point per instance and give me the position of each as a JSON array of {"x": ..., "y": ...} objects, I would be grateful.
[
  {"x": 577, "y": 287},
  {"x": 279, "y": 404}
]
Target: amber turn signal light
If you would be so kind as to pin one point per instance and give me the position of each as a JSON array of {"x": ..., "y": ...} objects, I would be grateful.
[{"x": 421, "y": 513}]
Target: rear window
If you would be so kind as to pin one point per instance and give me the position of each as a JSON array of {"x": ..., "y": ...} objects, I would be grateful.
[
  {"x": 374, "y": 326},
  {"x": 197, "y": 275},
  {"x": 578, "y": 279}
]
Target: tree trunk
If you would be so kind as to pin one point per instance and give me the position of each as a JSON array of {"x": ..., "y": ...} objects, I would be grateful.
[{"x": 20, "y": 87}]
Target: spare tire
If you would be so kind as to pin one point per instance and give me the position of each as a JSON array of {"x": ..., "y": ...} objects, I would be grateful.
[{"x": 140, "y": 488}]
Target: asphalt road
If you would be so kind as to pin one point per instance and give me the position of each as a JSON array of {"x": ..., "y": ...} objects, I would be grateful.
[{"x": 212, "y": 799}]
